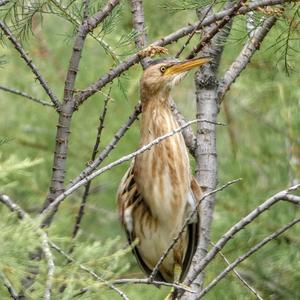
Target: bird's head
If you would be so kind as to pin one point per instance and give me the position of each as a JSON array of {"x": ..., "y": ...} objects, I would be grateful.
[{"x": 161, "y": 75}]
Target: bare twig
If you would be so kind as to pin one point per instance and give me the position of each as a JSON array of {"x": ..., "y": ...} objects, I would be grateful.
[
  {"x": 167, "y": 251},
  {"x": 109, "y": 147},
  {"x": 280, "y": 196},
  {"x": 86, "y": 179},
  {"x": 50, "y": 263},
  {"x": 244, "y": 57},
  {"x": 239, "y": 276},
  {"x": 20, "y": 93},
  {"x": 12, "y": 206},
  {"x": 94, "y": 153},
  {"x": 250, "y": 24},
  {"x": 199, "y": 25},
  {"x": 86, "y": 4},
  {"x": 138, "y": 21},
  {"x": 215, "y": 28},
  {"x": 31, "y": 65},
  {"x": 154, "y": 282},
  {"x": 12, "y": 293},
  {"x": 246, "y": 255},
  {"x": 86, "y": 269}
]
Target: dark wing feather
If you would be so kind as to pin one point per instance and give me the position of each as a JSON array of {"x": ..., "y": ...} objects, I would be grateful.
[
  {"x": 193, "y": 233},
  {"x": 129, "y": 197}
]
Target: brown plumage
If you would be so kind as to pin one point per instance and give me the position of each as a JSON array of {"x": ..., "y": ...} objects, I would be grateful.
[{"x": 158, "y": 190}]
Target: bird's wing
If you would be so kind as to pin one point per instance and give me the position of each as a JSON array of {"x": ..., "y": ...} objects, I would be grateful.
[
  {"x": 192, "y": 230},
  {"x": 128, "y": 198}
]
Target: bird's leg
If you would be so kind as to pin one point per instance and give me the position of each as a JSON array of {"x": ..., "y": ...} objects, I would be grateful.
[{"x": 177, "y": 273}]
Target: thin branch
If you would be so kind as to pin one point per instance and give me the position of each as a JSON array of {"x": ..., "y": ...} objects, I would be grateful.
[
  {"x": 175, "y": 240},
  {"x": 6, "y": 200},
  {"x": 215, "y": 28},
  {"x": 31, "y": 65},
  {"x": 75, "y": 21},
  {"x": 138, "y": 21},
  {"x": 154, "y": 282},
  {"x": 280, "y": 196},
  {"x": 20, "y": 93},
  {"x": 94, "y": 153},
  {"x": 246, "y": 255},
  {"x": 250, "y": 23},
  {"x": 86, "y": 269},
  {"x": 239, "y": 276},
  {"x": 132, "y": 60},
  {"x": 12, "y": 293},
  {"x": 50, "y": 263},
  {"x": 199, "y": 25},
  {"x": 244, "y": 57},
  {"x": 123, "y": 159},
  {"x": 109, "y": 147},
  {"x": 86, "y": 4}
]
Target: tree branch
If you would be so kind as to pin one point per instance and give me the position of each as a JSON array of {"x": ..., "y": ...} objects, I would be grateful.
[
  {"x": 12, "y": 293},
  {"x": 244, "y": 57},
  {"x": 239, "y": 276},
  {"x": 138, "y": 21},
  {"x": 20, "y": 93},
  {"x": 246, "y": 255},
  {"x": 216, "y": 29},
  {"x": 109, "y": 147},
  {"x": 86, "y": 269},
  {"x": 280, "y": 196},
  {"x": 31, "y": 65},
  {"x": 94, "y": 153},
  {"x": 3, "y": 2},
  {"x": 50, "y": 263}
]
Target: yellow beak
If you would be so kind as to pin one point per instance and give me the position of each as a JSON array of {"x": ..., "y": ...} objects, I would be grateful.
[{"x": 186, "y": 65}]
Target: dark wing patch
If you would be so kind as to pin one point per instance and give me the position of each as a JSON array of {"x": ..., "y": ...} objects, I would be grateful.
[
  {"x": 128, "y": 198},
  {"x": 192, "y": 231}
]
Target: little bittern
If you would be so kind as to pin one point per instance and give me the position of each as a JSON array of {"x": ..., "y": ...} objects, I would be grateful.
[{"x": 158, "y": 191}]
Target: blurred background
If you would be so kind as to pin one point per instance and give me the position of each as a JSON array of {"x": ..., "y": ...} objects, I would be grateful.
[{"x": 260, "y": 144}]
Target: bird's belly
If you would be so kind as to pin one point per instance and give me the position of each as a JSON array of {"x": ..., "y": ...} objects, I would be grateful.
[{"x": 154, "y": 238}]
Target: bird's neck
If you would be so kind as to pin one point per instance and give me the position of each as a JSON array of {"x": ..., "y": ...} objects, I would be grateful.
[{"x": 157, "y": 118}]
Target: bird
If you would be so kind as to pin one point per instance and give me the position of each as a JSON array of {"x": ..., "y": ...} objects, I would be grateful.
[{"x": 158, "y": 191}]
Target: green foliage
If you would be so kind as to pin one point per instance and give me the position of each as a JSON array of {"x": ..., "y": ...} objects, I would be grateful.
[{"x": 260, "y": 144}]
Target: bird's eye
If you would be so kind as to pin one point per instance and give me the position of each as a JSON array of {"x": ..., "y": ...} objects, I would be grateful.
[{"x": 163, "y": 69}]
